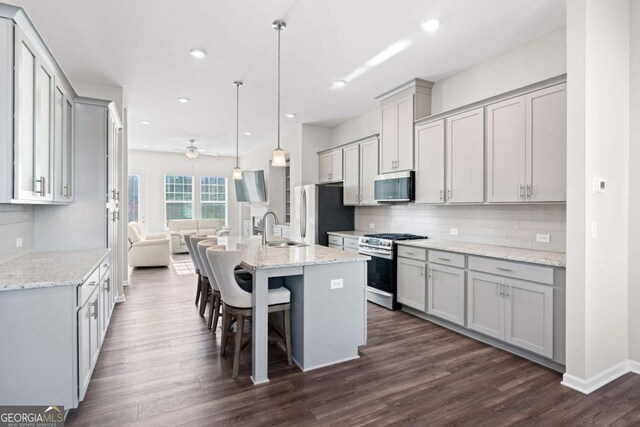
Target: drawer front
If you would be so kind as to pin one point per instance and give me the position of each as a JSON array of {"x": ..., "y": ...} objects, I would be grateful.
[
  {"x": 88, "y": 287},
  {"x": 104, "y": 267},
  {"x": 411, "y": 252},
  {"x": 335, "y": 240},
  {"x": 447, "y": 258},
  {"x": 350, "y": 242},
  {"x": 530, "y": 272},
  {"x": 338, "y": 247}
]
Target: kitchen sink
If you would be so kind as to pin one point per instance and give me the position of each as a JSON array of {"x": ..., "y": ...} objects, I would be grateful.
[{"x": 286, "y": 244}]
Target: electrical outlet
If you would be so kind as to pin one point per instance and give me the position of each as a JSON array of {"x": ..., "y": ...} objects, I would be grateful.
[
  {"x": 543, "y": 238},
  {"x": 337, "y": 283},
  {"x": 372, "y": 225},
  {"x": 19, "y": 242},
  {"x": 453, "y": 231}
]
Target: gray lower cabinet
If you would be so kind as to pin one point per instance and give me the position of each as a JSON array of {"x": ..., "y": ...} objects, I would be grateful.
[
  {"x": 412, "y": 283},
  {"x": 511, "y": 310},
  {"x": 445, "y": 293}
]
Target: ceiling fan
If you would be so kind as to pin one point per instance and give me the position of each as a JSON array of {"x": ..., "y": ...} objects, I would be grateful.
[{"x": 191, "y": 151}]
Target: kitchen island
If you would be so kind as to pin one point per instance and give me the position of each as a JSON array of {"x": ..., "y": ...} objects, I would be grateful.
[{"x": 328, "y": 302}]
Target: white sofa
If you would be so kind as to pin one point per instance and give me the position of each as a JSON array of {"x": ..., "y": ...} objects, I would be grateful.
[
  {"x": 179, "y": 227},
  {"x": 150, "y": 250}
]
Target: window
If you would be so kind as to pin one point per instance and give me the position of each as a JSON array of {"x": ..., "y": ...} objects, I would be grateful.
[
  {"x": 134, "y": 198},
  {"x": 213, "y": 198},
  {"x": 178, "y": 197}
]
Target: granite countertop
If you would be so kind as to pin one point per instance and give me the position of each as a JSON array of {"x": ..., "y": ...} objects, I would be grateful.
[
  {"x": 351, "y": 233},
  {"x": 49, "y": 269},
  {"x": 254, "y": 255},
  {"x": 554, "y": 259}
]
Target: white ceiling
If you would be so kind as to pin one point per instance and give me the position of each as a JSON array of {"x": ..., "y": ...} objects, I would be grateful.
[{"x": 143, "y": 47}]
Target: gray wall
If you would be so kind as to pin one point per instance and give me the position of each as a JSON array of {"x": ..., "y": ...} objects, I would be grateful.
[{"x": 15, "y": 221}]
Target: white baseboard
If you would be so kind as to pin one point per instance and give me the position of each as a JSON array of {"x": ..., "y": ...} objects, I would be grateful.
[{"x": 598, "y": 380}]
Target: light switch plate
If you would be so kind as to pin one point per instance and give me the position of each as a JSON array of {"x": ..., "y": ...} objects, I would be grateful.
[
  {"x": 337, "y": 283},
  {"x": 19, "y": 242},
  {"x": 453, "y": 231},
  {"x": 543, "y": 238},
  {"x": 372, "y": 225}
]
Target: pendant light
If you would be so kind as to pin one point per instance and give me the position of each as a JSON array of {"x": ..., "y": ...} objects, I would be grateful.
[
  {"x": 237, "y": 172},
  {"x": 192, "y": 151},
  {"x": 279, "y": 159}
]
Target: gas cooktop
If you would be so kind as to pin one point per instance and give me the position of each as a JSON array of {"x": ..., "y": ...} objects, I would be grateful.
[{"x": 395, "y": 236}]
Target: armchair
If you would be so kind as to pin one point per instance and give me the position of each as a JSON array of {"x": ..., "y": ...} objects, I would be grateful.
[{"x": 150, "y": 250}]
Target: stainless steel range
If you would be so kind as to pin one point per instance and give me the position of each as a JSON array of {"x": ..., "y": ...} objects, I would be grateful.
[{"x": 381, "y": 269}]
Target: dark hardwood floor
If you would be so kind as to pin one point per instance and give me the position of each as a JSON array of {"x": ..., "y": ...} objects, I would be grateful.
[{"x": 160, "y": 366}]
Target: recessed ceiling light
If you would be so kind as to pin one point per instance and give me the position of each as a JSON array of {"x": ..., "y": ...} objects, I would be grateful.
[
  {"x": 198, "y": 53},
  {"x": 248, "y": 133},
  {"x": 184, "y": 100},
  {"x": 145, "y": 122},
  {"x": 431, "y": 25},
  {"x": 339, "y": 83},
  {"x": 290, "y": 115}
]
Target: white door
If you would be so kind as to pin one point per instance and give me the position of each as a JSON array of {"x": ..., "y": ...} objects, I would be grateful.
[
  {"x": 405, "y": 115},
  {"x": 485, "y": 307},
  {"x": 465, "y": 157},
  {"x": 529, "y": 316},
  {"x": 351, "y": 183},
  {"x": 137, "y": 200},
  {"x": 411, "y": 283},
  {"x": 430, "y": 161},
  {"x": 506, "y": 143},
  {"x": 547, "y": 145},
  {"x": 44, "y": 131},
  {"x": 388, "y": 138},
  {"x": 368, "y": 170},
  {"x": 445, "y": 297}
]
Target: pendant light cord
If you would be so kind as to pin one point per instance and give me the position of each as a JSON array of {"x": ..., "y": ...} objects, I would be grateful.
[
  {"x": 237, "y": 119},
  {"x": 279, "y": 31}
]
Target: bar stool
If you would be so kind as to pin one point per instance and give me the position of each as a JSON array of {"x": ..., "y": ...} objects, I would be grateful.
[
  {"x": 237, "y": 303},
  {"x": 204, "y": 284},
  {"x": 216, "y": 298},
  {"x": 187, "y": 241}
]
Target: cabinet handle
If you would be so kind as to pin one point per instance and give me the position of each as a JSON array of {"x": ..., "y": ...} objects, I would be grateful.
[
  {"x": 504, "y": 269},
  {"x": 444, "y": 259},
  {"x": 508, "y": 290},
  {"x": 93, "y": 283},
  {"x": 522, "y": 191},
  {"x": 528, "y": 191},
  {"x": 94, "y": 313},
  {"x": 449, "y": 195},
  {"x": 42, "y": 190},
  {"x": 501, "y": 289},
  {"x": 441, "y": 195},
  {"x": 422, "y": 271},
  {"x": 107, "y": 285},
  {"x": 430, "y": 273},
  {"x": 410, "y": 253}
]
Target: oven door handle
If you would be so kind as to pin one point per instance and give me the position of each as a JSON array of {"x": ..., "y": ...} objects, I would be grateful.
[
  {"x": 376, "y": 254},
  {"x": 379, "y": 292}
]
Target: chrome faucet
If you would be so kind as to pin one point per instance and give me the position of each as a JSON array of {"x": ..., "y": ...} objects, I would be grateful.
[{"x": 264, "y": 225}]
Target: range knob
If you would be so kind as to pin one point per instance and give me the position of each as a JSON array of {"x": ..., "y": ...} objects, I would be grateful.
[{"x": 364, "y": 240}]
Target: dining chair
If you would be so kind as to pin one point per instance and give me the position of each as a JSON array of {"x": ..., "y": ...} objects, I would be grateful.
[
  {"x": 187, "y": 241},
  {"x": 237, "y": 304},
  {"x": 204, "y": 286},
  {"x": 215, "y": 296}
]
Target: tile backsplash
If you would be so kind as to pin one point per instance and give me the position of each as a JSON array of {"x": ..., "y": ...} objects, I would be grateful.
[
  {"x": 16, "y": 221},
  {"x": 504, "y": 225}
]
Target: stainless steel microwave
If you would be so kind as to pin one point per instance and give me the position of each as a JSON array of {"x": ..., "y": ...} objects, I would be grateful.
[{"x": 394, "y": 187}]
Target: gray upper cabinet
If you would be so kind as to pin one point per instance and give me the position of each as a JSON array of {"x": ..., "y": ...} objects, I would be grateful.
[
  {"x": 331, "y": 166},
  {"x": 399, "y": 109},
  {"x": 546, "y": 165},
  {"x": 446, "y": 293},
  {"x": 360, "y": 169},
  {"x": 35, "y": 152},
  {"x": 506, "y": 142},
  {"x": 465, "y": 157},
  {"x": 526, "y": 147},
  {"x": 351, "y": 182},
  {"x": 430, "y": 161}
]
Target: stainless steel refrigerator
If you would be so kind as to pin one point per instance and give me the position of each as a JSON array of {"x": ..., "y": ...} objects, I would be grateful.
[{"x": 319, "y": 209}]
